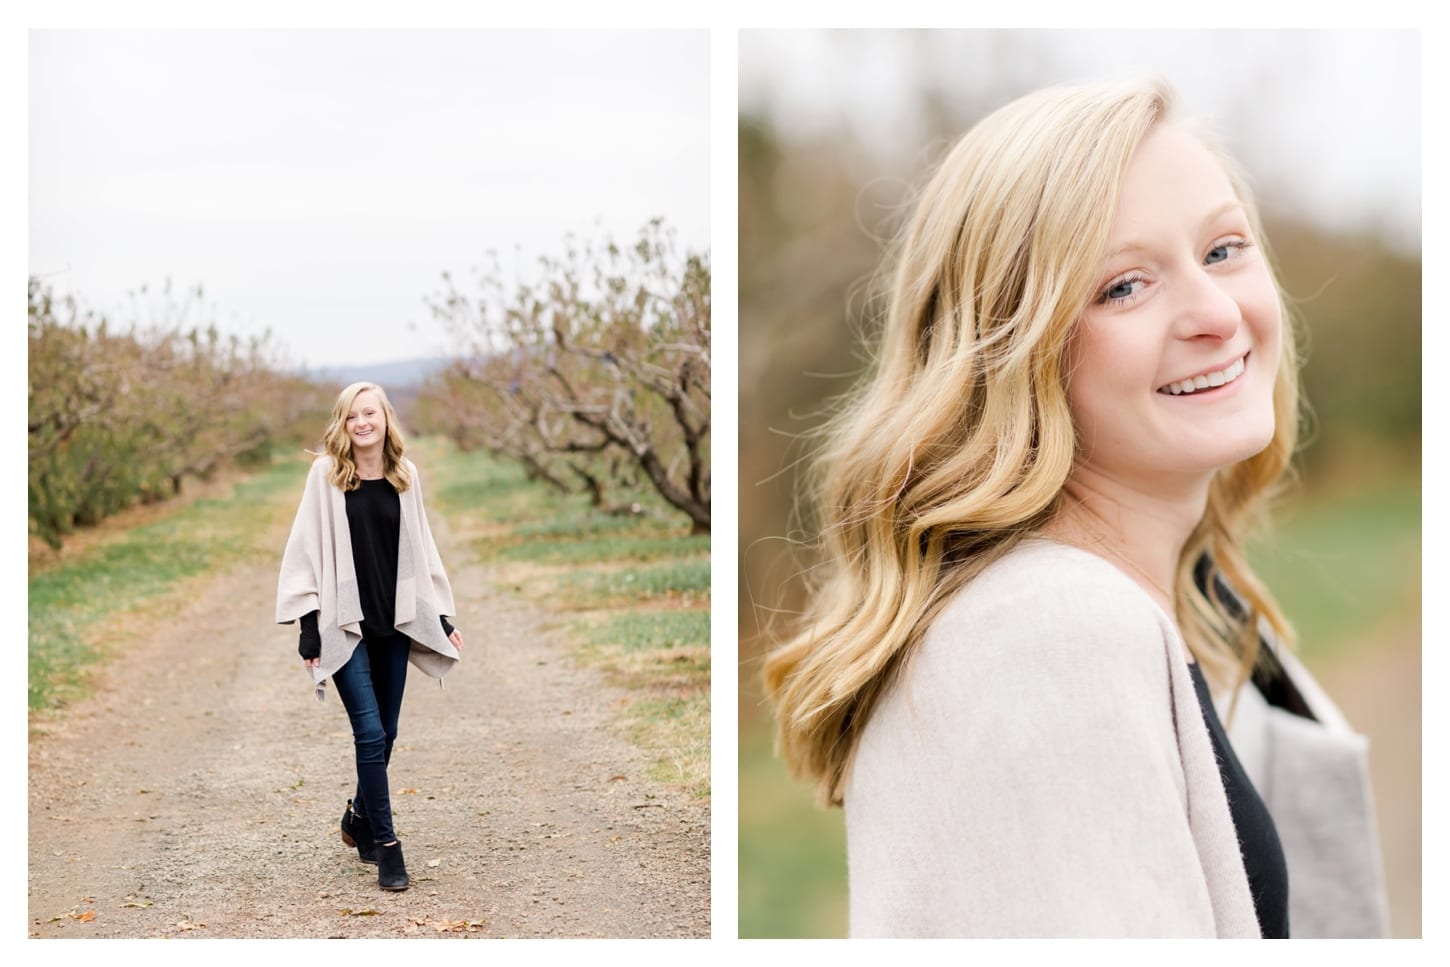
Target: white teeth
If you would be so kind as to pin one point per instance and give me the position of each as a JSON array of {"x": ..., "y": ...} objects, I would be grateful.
[{"x": 1220, "y": 378}]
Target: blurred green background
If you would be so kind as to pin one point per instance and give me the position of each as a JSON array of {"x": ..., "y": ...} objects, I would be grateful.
[{"x": 836, "y": 128}]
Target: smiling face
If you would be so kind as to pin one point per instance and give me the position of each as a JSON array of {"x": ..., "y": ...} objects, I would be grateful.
[
  {"x": 367, "y": 424},
  {"x": 1173, "y": 361}
]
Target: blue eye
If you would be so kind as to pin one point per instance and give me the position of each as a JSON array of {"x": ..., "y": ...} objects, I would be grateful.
[
  {"x": 1226, "y": 249},
  {"x": 1122, "y": 290}
]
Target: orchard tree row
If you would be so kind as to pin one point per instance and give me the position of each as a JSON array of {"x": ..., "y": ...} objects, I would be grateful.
[
  {"x": 593, "y": 373},
  {"x": 124, "y": 415}
]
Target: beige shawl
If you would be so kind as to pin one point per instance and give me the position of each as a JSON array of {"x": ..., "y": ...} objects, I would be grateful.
[
  {"x": 1042, "y": 769},
  {"x": 317, "y": 575},
  {"x": 1314, "y": 778}
]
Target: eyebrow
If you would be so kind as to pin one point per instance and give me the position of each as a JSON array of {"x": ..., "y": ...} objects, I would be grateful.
[{"x": 1215, "y": 213}]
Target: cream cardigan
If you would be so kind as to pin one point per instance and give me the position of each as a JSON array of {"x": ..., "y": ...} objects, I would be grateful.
[
  {"x": 317, "y": 575},
  {"x": 1042, "y": 769}
]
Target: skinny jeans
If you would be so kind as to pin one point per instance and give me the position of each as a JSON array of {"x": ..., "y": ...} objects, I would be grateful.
[{"x": 371, "y": 688}]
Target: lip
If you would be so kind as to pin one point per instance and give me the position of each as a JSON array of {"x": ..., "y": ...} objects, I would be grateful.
[{"x": 1210, "y": 390}]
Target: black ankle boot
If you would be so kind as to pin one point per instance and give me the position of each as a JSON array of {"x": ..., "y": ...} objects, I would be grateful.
[
  {"x": 357, "y": 832},
  {"x": 392, "y": 875}
]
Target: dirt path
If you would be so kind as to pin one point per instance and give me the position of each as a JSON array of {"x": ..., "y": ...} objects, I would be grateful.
[{"x": 197, "y": 792}]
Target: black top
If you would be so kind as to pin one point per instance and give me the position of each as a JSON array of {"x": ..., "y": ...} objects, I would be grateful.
[
  {"x": 373, "y": 517},
  {"x": 1258, "y": 838},
  {"x": 373, "y": 513}
]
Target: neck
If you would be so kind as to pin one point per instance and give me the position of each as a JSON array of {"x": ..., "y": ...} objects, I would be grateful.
[
  {"x": 369, "y": 462},
  {"x": 1139, "y": 528}
]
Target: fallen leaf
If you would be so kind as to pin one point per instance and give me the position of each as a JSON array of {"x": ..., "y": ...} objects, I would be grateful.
[
  {"x": 86, "y": 917},
  {"x": 348, "y": 912},
  {"x": 140, "y": 906},
  {"x": 433, "y": 863},
  {"x": 407, "y": 792}
]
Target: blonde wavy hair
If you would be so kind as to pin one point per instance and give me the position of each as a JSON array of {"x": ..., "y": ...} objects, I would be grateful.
[
  {"x": 338, "y": 444},
  {"x": 958, "y": 444}
]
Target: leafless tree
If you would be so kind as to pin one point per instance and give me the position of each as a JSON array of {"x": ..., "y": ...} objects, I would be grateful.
[{"x": 595, "y": 375}]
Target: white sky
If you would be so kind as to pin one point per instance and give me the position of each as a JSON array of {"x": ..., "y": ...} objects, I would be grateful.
[
  {"x": 318, "y": 183},
  {"x": 1327, "y": 121}
]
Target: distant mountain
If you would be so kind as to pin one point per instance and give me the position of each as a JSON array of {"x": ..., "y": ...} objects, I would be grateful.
[
  {"x": 396, "y": 377},
  {"x": 401, "y": 379}
]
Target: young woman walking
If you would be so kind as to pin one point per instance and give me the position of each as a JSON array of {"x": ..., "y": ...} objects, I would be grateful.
[{"x": 363, "y": 576}]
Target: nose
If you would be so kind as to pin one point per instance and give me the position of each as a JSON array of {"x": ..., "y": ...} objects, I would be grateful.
[{"x": 1207, "y": 310}]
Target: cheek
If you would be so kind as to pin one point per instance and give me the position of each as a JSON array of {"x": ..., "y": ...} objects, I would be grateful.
[
  {"x": 1103, "y": 370},
  {"x": 1259, "y": 304},
  {"x": 1268, "y": 326}
]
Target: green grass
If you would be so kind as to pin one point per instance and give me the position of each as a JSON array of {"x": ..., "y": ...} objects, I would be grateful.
[
  {"x": 636, "y": 584},
  {"x": 669, "y": 579},
  {"x": 570, "y": 518},
  {"x": 664, "y": 657},
  {"x": 648, "y": 630},
  {"x": 1339, "y": 566},
  {"x": 613, "y": 547},
  {"x": 72, "y": 604},
  {"x": 676, "y": 731},
  {"x": 792, "y": 855}
]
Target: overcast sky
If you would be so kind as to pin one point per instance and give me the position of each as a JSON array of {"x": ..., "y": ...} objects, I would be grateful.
[
  {"x": 318, "y": 183},
  {"x": 1327, "y": 121}
]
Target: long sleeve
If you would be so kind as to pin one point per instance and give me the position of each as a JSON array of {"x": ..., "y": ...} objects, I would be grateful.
[
  {"x": 309, "y": 641},
  {"x": 1024, "y": 777}
]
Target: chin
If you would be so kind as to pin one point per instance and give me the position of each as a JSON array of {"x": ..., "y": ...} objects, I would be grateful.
[{"x": 1244, "y": 447}]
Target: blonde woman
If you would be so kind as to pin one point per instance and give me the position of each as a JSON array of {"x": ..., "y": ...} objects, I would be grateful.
[
  {"x": 1032, "y": 522},
  {"x": 362, "y": 574}
]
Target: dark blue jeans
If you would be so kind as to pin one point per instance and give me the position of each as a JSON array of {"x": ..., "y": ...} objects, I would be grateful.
[{"x": 371, "y": 688}]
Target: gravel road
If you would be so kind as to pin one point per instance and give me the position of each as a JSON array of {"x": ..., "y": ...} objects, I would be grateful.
[{"x": 197, "y": 792}]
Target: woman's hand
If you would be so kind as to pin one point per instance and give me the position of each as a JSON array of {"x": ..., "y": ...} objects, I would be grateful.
[
  {"x": 457, "y": 639},
  {"x": 311, "y": 662}
]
